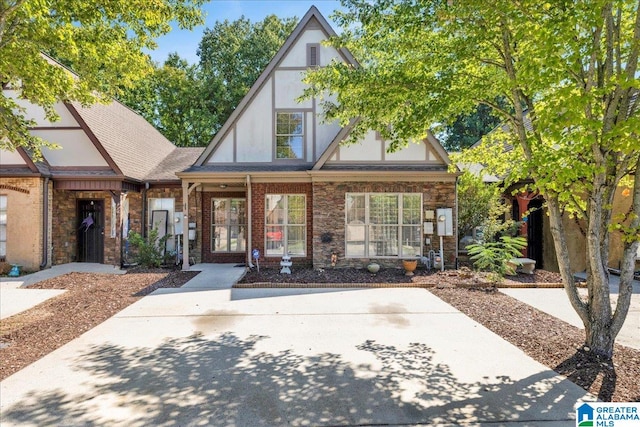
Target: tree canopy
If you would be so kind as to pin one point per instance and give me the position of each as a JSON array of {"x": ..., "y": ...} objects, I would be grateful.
[
  {"x": 189, "y": 103},
  {"x": 104, "y": 42},
  {"x": 568, "y": 73}
]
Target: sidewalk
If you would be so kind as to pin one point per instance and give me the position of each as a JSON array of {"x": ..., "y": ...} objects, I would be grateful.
[
  {"x": 14, "y": 298},
  {"x": 206, "y": 354}
]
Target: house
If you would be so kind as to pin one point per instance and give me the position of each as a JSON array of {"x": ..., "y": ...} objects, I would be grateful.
[
  {"x": 276, "y": 178},
  {"x": 113, "y": 173}
]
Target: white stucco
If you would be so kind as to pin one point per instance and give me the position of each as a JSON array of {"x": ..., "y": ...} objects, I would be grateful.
[
  {"x": 255, "y": 128},
  {"x": 369, "y": 149},
  {"x": 325, "y": 133},
  {"x": 11, "y": 158},
  {"x": 288, "y": 87},
  {"x": 297, "y": 55},
  {"x": 36, "y": 113},
  {"x": 224, "y": 152},
  {"x": 76, "y": 148},
  {"x": 412, "y": 152}
]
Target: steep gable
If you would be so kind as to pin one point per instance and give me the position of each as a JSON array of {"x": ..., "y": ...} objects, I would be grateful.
[{"x": 249, "y": 135}]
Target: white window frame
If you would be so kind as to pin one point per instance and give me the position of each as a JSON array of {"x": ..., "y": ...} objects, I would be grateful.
[
  {"x": 242, "y": 226},
  {"x": 286, "y": 225},
  {"x": 4, "y": 201},
  {"x": 367, "y": 226},
  {"x": 300, "y": 135}
]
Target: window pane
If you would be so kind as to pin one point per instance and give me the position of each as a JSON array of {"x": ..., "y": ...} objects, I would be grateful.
[
  {"x": 411, "y": 209},
  {"x": 236, "y": 239},
  {"x": 237, "y": 213},
  {"x": 355, "y": 208},
  {"x": 296, "y": 210},
  {"x": 411, "y": 241},
  {"x": 383, "y": 209},
  {"x": 275, "y": 240},
  {"x": 275, "y": 209},
  {"x": 355, "y": 240},
  {"x": 3, "y": 202},
  {"x": 3, "y": 249},
  {"x": 220, "y": 238},
  {"x": 296, "y": 240},
  {"x": 3, "y": 233},
  {"x": 3, "y": 217},
  {"x": 220, "y": 210},
  {"x": 383, "y": 240}
]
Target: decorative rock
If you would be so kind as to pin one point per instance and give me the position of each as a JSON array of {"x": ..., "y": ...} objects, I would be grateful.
[{"x": 373, "y": 267}]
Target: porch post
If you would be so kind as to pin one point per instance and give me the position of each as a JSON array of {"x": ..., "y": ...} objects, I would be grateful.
[{"x": 185, "y": 225}]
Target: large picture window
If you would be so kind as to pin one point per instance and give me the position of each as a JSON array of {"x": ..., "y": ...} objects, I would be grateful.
[
  {"x": 285, "y": 224},
  {"x": 228, "y": 225},
  {"x": 289, "y": 135},
  {"x": 383, "y": 225},
  {"x": 3, "y": 226}
]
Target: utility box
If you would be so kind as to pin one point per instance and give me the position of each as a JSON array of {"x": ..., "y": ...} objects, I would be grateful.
[
  {"x": 444, "y": 219},
  {"x": 177, "y": 223}
]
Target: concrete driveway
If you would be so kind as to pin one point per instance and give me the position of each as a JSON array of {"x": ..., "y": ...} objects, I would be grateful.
[{"x": 206, "y": 354}]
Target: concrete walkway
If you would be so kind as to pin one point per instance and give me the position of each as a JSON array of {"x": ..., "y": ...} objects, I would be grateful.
[
  {"x": 15, "y": 299},
  {"x": 206, "y": 354},
  {"x": 556, "y": 303}
]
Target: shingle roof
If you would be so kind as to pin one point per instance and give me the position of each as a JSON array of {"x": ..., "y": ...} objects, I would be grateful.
[
  {"x": 136, "y": 147},
  {"x": 178, "y": 160}
]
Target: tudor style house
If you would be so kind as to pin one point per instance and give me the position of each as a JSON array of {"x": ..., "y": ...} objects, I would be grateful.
[
  {"x": 275, "y": 178},
  {"x": 113, "y": 172}
]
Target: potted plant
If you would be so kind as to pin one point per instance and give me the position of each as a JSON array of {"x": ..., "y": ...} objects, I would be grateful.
[{"x": 409, "y": 266}]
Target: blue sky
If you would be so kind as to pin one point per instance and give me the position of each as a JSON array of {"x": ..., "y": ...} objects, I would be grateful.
[{"x": 186, "y": 42}]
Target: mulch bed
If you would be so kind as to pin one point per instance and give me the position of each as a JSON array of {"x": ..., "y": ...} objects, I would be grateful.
[{"x": 90, "y": 299}]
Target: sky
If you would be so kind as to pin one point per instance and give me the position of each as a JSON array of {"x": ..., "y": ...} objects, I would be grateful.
[{"x": 186, "y": 42}]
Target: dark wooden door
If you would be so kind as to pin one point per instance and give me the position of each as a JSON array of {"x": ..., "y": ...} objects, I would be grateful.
[
  {"x": 91, "y": 231},
  {"x": 535, "y": 233}
]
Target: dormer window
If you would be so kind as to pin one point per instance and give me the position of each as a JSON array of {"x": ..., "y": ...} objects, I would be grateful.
[
  {"x": 313, "y": 54},
  {"x": 290, "y": 135}
]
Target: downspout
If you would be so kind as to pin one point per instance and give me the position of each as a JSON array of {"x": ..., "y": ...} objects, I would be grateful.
[
  {"x": 457, "y": 235},
  {"x": 45, "y": 224},
  {"x": 143, "y": 220},
  {"x": 249, "y": 221}
]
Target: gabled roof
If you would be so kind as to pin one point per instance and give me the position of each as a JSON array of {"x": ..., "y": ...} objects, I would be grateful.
[
  {"x": 311, "y": 15},
  {"x": 133, "y": 144}
]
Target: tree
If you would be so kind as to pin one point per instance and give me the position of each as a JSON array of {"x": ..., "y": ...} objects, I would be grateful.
[
  {"x": 467, "y": 129},
  {"x": 189, "y": 103},
  {"x": 569, "y": 75},
  {"x": 104, "y": 43},
  {"x": 176, "y": 100},
  {"x": 233, "y": 54}
]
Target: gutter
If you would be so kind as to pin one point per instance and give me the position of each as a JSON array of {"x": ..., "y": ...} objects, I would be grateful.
[
  {"x": 249, "y": 221},
  {"x": 45, "y": 224}
]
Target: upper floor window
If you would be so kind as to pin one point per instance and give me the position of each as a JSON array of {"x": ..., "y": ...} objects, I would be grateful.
[
  {"x": 289, "y": 135},
  {"x": 3, "y": 226},
  {"x": 313, "y": 54}
]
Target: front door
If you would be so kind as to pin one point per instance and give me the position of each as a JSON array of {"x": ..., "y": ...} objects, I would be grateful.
[
  {"x": 90, "y": 231},
  {"x": 535, "y": 233}
]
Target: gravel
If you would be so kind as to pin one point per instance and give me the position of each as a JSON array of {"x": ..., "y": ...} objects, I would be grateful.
[{"x": 92, "y": 298}]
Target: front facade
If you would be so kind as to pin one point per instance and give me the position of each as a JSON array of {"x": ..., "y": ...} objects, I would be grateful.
[
  {"x": 111, "y": 172},
  {"x": 276, "y": 179}
]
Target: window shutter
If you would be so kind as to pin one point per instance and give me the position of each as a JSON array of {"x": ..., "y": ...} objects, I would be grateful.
[{"x": 313, "y": 55}]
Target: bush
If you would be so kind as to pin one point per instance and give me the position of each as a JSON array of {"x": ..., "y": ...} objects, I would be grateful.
[
  {"x": 150, "y": 251},
  {"x": 494, "y": 257}
]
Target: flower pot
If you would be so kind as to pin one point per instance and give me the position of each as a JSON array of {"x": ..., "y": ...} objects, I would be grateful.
[
  {"x": 409, "y": 266},
  {"x": 373, "y": 267}
]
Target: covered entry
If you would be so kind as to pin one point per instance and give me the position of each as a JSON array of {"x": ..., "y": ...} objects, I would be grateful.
[{"x": 90, "y": 231}]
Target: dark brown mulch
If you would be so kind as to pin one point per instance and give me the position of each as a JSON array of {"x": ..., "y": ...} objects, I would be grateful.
[
  {"x": 90, "y": 299},
  {"x": 389, "y": 275}
]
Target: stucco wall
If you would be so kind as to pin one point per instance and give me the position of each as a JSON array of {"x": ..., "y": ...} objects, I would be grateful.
[{"x": 24, "y": 221}]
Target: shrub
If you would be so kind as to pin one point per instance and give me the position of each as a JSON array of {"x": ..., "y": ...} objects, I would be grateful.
[
  {"x": 150, "y": 251},
  {"x": 494, "y": 257}
]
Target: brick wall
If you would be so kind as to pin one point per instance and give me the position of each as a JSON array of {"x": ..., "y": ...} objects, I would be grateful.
[
  {"x": 329, "y": 217},
  {"x": 65, "y": 223},
  {"x": 258, "y": 193},
  {"x": 24, "y": 221}
]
